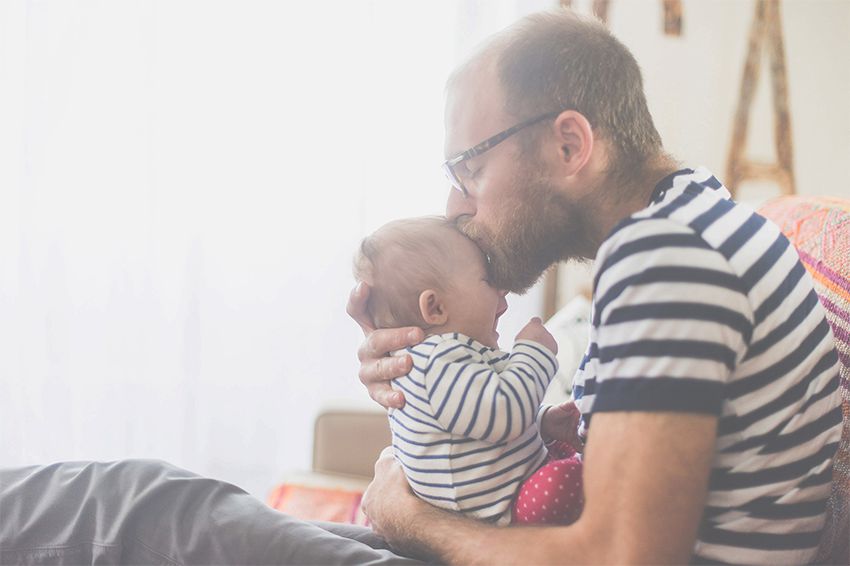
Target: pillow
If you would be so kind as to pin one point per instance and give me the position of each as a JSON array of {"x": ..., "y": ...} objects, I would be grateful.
[
  {"x": 570, "y": 327},
  {"x": 320, "y": 497}
]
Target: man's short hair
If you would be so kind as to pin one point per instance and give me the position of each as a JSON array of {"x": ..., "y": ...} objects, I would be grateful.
[{"x": 557, "y": 60}]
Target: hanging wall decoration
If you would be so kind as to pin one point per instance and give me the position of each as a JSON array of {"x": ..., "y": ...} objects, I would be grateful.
[
  {"x": 765, "y": 39},
  {"x": 672, "y": 13},
  {"x": 673, "y": 17}
]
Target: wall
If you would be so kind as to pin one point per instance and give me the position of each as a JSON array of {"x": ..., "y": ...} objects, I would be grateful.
[
  {"x": 692, "y": 84},
  {"x": 183, "y": 186}
]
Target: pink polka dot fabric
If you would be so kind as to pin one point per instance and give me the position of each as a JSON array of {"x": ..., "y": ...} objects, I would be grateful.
[{"x": 554, "y": 493}]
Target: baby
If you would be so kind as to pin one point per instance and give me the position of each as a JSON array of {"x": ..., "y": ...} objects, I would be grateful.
[{"x": 467, "y": 437}]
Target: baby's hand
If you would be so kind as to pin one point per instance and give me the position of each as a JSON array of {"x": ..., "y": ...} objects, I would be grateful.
[
  {"x": 560, "y": 422},
  {"x": 536, "y": 332}
]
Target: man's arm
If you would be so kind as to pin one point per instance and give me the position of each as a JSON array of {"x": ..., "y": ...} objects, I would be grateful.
[{"x": 646, "y": 477}]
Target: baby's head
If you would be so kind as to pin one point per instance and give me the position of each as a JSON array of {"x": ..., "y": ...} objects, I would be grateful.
[{"x": 424, "y": 272}]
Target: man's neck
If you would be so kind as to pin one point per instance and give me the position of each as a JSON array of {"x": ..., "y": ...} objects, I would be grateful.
[{"x": 629, "y": 195}]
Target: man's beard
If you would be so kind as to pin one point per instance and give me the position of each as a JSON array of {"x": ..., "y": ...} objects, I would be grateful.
[{"x": 536, "y": 229}]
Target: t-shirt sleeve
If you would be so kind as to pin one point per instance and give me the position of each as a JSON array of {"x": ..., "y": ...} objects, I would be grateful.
[{"x": 672, "y": 321}]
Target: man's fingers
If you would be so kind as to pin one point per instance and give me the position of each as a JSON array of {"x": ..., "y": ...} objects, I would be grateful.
[
  {"x": 380, "y": 342},
  {"x": 386, "y": 460},
  {"x": 376, "y": 376},
  {"x": 384, "y": 369},
  {"x": 388, "y": 398},
  {"x": 357, "y": 308}
]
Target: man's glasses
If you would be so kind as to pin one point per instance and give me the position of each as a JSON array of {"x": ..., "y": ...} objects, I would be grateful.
[{"x": 486, "y": 145}]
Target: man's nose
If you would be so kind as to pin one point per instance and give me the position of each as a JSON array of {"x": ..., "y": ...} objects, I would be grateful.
[{"x": 457, "y": 205}]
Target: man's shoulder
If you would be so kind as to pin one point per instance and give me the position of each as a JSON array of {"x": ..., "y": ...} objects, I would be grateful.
[
  {"x": 683, "y": 259},
  {"x": 662, "y": 231},
  {"x": 640, "y": 243},
  {"x": 688, "y": 204}
]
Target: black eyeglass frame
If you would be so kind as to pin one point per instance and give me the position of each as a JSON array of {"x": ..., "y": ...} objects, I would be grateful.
[{"x": 487, "y": 145}]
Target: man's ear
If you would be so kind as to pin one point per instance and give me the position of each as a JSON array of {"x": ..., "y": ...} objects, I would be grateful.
[
  {"x": 432, "y": 309},
  {"x": 574, "y": 136}
]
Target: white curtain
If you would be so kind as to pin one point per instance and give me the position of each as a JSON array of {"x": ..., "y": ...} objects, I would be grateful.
[{"x": 182, "y": 187}]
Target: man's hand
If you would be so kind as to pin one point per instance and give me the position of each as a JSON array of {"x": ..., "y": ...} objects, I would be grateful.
[
  {"x": 646, "y": 478},
  {"x": 377, "y": 368},
  {"x": 388, "y": 501},
  {"x": 561, "y": 423},
  {"x": 536, "y": 332}
]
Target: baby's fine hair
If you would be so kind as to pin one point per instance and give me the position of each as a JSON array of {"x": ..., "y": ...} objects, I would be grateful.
[{"x": 399, "y": 261}]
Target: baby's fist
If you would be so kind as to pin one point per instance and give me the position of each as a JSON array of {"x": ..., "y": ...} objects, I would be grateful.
[{"x": 536, "y": 332}]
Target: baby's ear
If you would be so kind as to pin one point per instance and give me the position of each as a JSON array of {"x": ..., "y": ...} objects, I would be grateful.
[{"x": 432, "y": 309}]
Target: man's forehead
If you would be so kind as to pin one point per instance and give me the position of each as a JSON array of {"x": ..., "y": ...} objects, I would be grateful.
[{"x": 474, "y": 109}]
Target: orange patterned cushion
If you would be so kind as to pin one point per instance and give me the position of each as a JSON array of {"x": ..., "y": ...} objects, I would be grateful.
[
  {"x": 819, "y": 227},
  {"x": 318, "y": 503}
]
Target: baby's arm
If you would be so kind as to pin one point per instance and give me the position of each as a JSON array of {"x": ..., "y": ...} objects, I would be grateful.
[{"x": 470, "y": 398}]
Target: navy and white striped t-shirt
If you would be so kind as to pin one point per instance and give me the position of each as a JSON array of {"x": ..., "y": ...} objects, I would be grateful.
[
  {"x": 467, "y": 435},
  {"x": 701, "y": 305}
]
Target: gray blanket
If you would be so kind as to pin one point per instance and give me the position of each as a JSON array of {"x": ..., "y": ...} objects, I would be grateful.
[{"x": 150, "y": 512}]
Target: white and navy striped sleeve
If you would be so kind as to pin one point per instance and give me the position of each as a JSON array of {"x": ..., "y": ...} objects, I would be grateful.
[
  {"x": 672, "y": 321},
  {"x": 470, "y": 398}
]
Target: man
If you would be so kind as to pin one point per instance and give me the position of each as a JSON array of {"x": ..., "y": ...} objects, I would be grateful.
[
  {"x": 709, "y": 390},
  {"x": 711, "y": 378}
]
